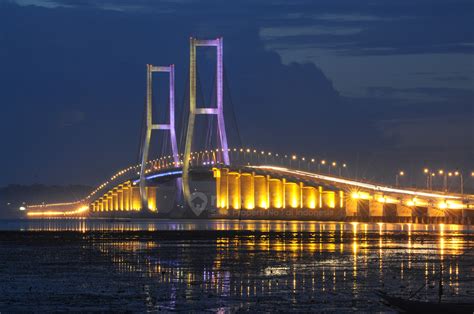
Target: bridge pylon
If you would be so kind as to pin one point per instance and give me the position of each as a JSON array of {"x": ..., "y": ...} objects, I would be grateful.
[
  {"x": 150, "y": 126},
  {"x": 193, "y": 111}
]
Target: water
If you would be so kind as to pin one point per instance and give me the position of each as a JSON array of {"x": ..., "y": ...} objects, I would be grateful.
[{"x": 227, "y": 266}]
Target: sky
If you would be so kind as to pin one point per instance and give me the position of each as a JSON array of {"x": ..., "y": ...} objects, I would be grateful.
[{"x": 382, "y": 85}]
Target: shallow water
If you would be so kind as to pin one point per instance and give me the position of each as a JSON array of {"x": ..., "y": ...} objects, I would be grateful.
[{"x": 227, "y": 266}]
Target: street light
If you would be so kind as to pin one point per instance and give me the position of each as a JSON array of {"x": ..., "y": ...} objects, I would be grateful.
[
  {"x": 445, "y": 179},
  {"x": 426, "y": 171},
  {"x": 459, "y": 174},
  {"x": 323, "y": 162},
  {"x": 343, "y": 166},
  {"x": 399, "y": 174},
  {"x": 333, "y": 164},
  {"x": 292, "y": 158}
]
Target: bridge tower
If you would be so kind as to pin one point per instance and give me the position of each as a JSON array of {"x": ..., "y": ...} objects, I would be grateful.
[
  {"x": 150, "y": 126},
  {"x": 193, "y": 111}
]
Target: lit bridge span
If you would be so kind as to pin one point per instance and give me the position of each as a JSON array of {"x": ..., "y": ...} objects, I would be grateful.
[
  {"x": 246, "y": 183},
  {"x": 260, "y": 185}
]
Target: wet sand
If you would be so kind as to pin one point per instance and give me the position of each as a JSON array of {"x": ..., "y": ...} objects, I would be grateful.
[{"x": 230, "y": 270}]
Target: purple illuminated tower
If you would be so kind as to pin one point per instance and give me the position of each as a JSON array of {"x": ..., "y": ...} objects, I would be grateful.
[
  {"x": 193, "y": 111},
  {"x": 150, "y": 126}
]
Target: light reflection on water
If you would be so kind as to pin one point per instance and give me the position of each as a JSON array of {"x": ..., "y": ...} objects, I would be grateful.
[
  {"x": 334, "y": 266},
  {"x": 83, "y": 225},
  {"x": 329, "y": 270},
  {"x": 303, "y": 266}
]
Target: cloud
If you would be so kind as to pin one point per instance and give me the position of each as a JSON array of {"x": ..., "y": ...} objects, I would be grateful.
[
  {"x": 345, "y": 27},
  {"x": 447, "y": 133},
  {"x": 93, "y": 60},
  {"x": 459, "y": 95}
]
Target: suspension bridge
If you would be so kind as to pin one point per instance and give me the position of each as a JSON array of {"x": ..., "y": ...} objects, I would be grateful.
[{"x": 242, "y": 182}]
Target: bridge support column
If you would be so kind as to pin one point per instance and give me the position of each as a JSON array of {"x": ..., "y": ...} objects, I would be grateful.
[
  {"x": 292, "y": 195},
  {"x": 110, "y": 203},
  {"x": 261, "y": 192},
  {"x": 275, "y": 193},
  {"x": 454, "y": 215},
  {"x": 435, "y": 215},
  {"x": 248, "y": 190},
  {"x": 115, "y": 199},
  {"x": 468, "y": 216},
  {"x": 329, "y": 199},
  {"x": 375, "y": 210},
  {"x": 351, "y": 208},
  {"x": 363, "y": 210},
  {"x": 404, "y": 213},
  {"x": 390, "y": 212},
  {"x": 309, "y": 197},
  {"x": 135, "y": 201},
  {"x": 224, "y": 189},
  {"x": 234, "y": 190},
  {"x": 126, "y": 197},
  {"x": 320, "y": 197},
  {"x": 103, "y": 203},
  {"x": 340, "y": 199},
  {"x": 120, "y": 198},
  {"x": 420, "y": 214},
  {"x": 151, "y": 194}
]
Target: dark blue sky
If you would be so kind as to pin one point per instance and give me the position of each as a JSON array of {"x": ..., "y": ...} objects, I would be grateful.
[{"x": 383, "y": 85}]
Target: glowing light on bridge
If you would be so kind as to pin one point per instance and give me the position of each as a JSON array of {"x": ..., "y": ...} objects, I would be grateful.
[
  {"x": 368, "y": 186},
  {"x": 52, "y": 213}
]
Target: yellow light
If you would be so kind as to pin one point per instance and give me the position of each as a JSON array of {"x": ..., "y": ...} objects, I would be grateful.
[
  {"x": 334, "y": 164},
  {"x": 456, "y": 173},
  {"x": 441, "y": 171},
  {"x": 426, "y": 170},
  {"x": 443, "y": 205},
  {"x": 312, "y": 159},
  {"x": 293, "y": 157},
  {"x": 381, "y": 199},
  {"x": 453, "y": 205},
  {"x": 450, "y": 174},
  {"x": 411, "y": 202},
  {"x": 80, "y": 210},
  {"x": 344, "y": 165},
  {"x": 402, "y": 173},
  {"x": 355, "y": 195},
  {"x": 323, "y": 162},
  {"x": 294, "y": 202}
]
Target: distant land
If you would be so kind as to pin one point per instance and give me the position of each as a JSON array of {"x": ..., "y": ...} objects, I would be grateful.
[{"x": 13, "y": 196}]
